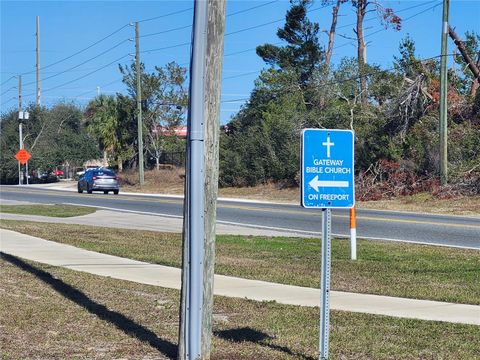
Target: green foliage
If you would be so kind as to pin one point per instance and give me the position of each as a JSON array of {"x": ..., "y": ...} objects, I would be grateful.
[
  {"x": 302, "y": 53},
  {"x": 398, "y": 127},
  {"x": 263, "y": 144},
  {"x": 54, "y": 137},
  {"x": 407, "y": 63},
  {"x": 164, "y": 100},
  {"x": 464, "y": 76}
]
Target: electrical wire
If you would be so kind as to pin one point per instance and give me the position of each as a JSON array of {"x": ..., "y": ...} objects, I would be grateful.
[
  {"x": 8, "y": 90},
  {"x": 6, "y": 102},
  {"x": 351, "y": 42},
  {"x": 227, "y": 34},
  {"x": 166, "y": 15},
  {"x": 396, "y": 12},
  {"x": 6, "y": 81},
  {"x": 384, "y": 29},
  {"x": 80, "y": 51},
  {"x": 271, "y": 22},
  {"x": 82, "y": 63},
  {"x": 354, "y": 78},
  {"x": 101, "y": 86},
  {"x": 84, "y": 76},
  {"x": 190, "y": 25}
]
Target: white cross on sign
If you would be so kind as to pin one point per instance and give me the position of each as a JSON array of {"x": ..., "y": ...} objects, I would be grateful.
[{"x": 328, "y": 144}]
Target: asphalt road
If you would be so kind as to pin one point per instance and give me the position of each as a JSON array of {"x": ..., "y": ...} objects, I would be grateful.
[{"x": 371, "y": 224}]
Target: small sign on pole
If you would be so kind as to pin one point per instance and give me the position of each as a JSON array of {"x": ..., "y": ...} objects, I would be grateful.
[
  {"x": 22, "y": 156},
  {"x": 327, "y": 182}
]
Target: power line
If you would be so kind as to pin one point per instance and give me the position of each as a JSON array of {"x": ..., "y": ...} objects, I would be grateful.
[
  {"x": 353, "y": 78},
  {"x": 8, "y": 90},
  {"x": 252, "y": 8},
  {"x": 271, "y": 22},
  {"x": 84, "y": 76},
  {"x": 403, "y": 20},
  {"x": 346, "y": 44},
  {"x": 240, "y": 75},
  {"x": 82, "y": 63},
  {"x": 80, "y": 51},
  {"x": 6, "y": 81},
  {"x": 399, "y": 11},
  {"x": 101, "y": 86},
  {"x": 166, "y": 47},
  {"x": 166, "y": 15},
  {"x": 6, "y": 102},
  {"x": 167, "y": 31},
  {"x": 190, "y": 25},
  {"x": 227, "y": 34}
]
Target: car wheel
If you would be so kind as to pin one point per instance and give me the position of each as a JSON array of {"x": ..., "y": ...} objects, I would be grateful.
[
  {"x": 105, "y": 191},
  {"x": 115, "y": 192},
  {"x": 79, "y": 189}
]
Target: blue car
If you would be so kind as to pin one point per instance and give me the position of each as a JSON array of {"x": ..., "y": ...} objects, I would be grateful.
[{"x": 98, "y": 180}]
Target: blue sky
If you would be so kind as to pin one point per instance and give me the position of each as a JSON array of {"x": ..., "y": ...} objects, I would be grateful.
[{"x": 67, "y": 27}]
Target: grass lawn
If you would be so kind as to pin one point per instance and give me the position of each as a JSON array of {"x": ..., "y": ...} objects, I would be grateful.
[
  {"x": 57, "y": 210},
  {"x": 386, "y": 268},
  {"x": 54, "y": 313}
]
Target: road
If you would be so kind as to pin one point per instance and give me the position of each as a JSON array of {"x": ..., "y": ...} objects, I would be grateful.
[{"x": 371, "y": 224}]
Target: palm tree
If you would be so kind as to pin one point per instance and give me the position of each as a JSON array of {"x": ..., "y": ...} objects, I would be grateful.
[{"x": 102, "y": 123}]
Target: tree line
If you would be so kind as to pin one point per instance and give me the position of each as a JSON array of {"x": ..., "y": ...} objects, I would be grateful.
[{"x": 394, "y": 113}]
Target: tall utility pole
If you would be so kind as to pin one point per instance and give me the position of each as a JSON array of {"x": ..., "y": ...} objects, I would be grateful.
[
  {"x": 201, "y": 180},
  {"x": 190, "y": 334},
  {"x": 38, "y": 61},
  {"x": 443, "y": 97},
  {"x": 141, "y": 174},
  {"x": 20, "y": 125},
  {"x": 213, "y": 81}
]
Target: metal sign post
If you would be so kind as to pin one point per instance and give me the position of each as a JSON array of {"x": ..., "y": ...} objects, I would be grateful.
[
  {"x": 327, "y": 182},
  {"x": 325, "y": 283},
  {"x": 194, "y": 231}
]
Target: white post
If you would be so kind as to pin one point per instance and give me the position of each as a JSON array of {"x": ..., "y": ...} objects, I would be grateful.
[{"x": 353, "y": 234}]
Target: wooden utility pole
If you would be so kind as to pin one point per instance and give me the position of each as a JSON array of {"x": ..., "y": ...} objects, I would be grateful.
[
  {"x": 38, "y": 97},
  {"x": 212, "y": 91},
  {"x": 443, "y": 131},
  {"x": 215, "y": 41},
  {"x": 138, "y": 72}
]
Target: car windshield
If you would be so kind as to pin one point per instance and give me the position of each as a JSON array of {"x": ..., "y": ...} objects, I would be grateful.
[{"x": 104, "y": 173}]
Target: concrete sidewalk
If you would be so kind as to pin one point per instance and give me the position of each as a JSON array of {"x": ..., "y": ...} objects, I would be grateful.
[
  {"x": 52, "y": 253},
  {"x": 135, "y": 221}
]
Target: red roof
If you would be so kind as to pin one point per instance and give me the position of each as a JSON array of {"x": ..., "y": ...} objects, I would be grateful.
[{"x": 180, "y": 131}]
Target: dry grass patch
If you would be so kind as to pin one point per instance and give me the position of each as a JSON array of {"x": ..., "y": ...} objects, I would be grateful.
[
  {"x": 54, "y": 313},
  {"x": 425, "y": 202},
  {"x": 171, "y": 181},
  {"x": 385, "y": 268}
]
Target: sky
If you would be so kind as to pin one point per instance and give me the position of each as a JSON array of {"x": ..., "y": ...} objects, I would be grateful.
[{"x": 82, "y": 42}]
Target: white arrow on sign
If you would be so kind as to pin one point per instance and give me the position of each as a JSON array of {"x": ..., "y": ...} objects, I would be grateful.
[{"x": 315, "y": 183}]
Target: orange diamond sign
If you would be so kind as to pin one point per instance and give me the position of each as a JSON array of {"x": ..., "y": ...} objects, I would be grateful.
[{"x": 23, "y": 156}]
